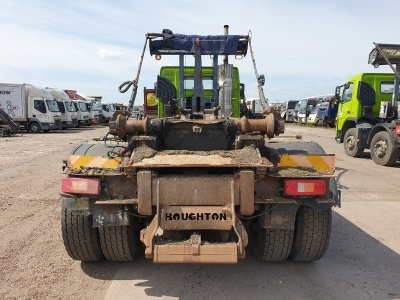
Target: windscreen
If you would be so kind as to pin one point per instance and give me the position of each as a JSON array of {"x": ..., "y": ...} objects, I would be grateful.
[
  {"x": 82, "y": 106},
  {"x": 70, "y": 106},
  {"x": 292, "y": 104},
  {"x": 52, "y": 105}
]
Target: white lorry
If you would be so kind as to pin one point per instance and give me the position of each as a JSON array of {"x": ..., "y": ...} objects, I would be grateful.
[
  {"x": 83, "y": 112},
  {"x": 32, "y": 107},
  {"x": 107, "y": 112},
  {"x": 69, "y": 116},
  {"x": 93, "y": 108},
  {"x": 81, "y": 108}
]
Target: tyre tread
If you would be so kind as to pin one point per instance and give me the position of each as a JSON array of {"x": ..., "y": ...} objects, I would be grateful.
[
  {"x": 274, "y": 244},
  {"x": 119, "y": 243},
  {"x": 312, "y": 234},
  {"x": 81, "y": 239}
]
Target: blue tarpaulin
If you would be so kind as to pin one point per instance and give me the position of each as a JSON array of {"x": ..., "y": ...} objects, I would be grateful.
[{"x": 209, "y": 44}]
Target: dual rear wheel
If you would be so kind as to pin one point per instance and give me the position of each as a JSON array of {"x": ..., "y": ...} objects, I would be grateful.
[
  {"x": 307, "y": 242},
  {"x": 84, "y": 242}
]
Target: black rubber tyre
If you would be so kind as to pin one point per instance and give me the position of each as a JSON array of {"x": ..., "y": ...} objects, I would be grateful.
[
  {"x": 119, "y": 243},
  {"x": 271, "y": 244},
  {"x": 81, "y": 239},
  {"x": 312, "y": 234},
  {"x": 350, "y": 143},
  {"x": 382, "y": 150},
  {"x": 34, "y": 127}
]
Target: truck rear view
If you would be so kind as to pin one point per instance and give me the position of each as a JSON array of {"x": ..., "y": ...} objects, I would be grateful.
[{"x": 197, "y": 185}]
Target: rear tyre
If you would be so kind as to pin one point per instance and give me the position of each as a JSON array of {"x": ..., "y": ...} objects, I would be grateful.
[
  {"x": 382, "y": 150},
  {"x": 271, "y": 244},
  {"x": 350, "y": 143},
  {"x": 312, "y": 234},
  {"x": 81, "y": 239},
  {"x": 120, "y": 243},
  {"x": 34, "y": 127}
]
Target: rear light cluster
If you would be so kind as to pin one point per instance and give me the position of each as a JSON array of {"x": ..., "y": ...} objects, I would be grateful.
[
  {"x": 398, "y": 129},
  {"x": 304, "y": 187},
  {"x": 84, "y": 186}
]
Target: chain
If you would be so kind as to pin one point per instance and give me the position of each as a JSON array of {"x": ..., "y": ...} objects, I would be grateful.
[
  {"x": 260, "y": 79},
  {"x": 127, "y": 84}
]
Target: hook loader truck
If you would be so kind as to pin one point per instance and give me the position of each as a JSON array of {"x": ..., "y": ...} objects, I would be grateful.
[{"x": 197, "y": 184}]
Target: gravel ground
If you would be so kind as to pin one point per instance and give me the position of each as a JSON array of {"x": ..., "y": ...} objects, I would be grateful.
[
  {"x": 362, "y": 261},
  {"x": 33, "y": 261}
]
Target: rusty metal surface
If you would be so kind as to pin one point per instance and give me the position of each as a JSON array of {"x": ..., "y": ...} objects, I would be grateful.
[
  {"x": 117, "y": 202},
  {"x": 246, "y": 192},
  {"x": 144, "y": 192},
  {"x": 193, "y": 189},
  {"x": 207, "y": 253}
]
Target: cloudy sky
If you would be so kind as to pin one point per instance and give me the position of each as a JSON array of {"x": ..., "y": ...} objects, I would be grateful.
[{"x": 303, "y": 47}]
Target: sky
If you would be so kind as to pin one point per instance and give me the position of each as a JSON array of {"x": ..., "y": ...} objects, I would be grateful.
[{"x": 304, "y": 47}]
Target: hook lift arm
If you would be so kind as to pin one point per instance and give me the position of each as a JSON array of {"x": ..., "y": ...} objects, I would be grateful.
[
  {"x": 260, "y": 80},
  {"x": 124, "y": 87}
]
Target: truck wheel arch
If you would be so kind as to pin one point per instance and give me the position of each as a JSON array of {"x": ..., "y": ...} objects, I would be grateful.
[
  {"x": 382, "y": 127},
  {"x": 349, "y": 123},
  {"x": 32, "y": 127}
]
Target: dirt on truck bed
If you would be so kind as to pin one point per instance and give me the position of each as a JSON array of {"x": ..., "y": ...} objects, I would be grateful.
[{"x": 33, "y": 261}]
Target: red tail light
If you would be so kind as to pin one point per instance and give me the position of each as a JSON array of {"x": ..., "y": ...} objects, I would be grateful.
[
  {"x": 304, "y": 187},
  {"x": 85, "y": 186}
]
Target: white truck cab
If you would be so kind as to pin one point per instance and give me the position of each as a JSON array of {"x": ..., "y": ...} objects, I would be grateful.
[
  {"x": 83, "y": 113},
  {"x": 69, "y": 115},
  {"x": 107, "y": 111},
  {"x": 93, "y": 109}
]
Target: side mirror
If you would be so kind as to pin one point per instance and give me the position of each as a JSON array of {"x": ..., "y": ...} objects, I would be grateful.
[{"x": 337, "y": 93}]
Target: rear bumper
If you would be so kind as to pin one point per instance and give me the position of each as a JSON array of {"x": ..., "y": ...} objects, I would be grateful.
[{"x": 196, "y": 253}]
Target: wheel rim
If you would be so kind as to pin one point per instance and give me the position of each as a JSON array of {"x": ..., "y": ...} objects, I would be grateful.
[
  {"x": 350, "y": 142},
  {"x": 380, "y": 148}
]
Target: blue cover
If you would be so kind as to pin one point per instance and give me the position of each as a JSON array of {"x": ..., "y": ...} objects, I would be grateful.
[{"x": 209, "y": 44}]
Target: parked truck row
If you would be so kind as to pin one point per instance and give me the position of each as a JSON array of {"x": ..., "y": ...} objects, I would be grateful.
[{"x": 36, "y": 109}]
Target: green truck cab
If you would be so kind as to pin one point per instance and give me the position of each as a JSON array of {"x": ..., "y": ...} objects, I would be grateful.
[
  {"x": 366, "y": 118},
  {"x": 171, "y": 73}
]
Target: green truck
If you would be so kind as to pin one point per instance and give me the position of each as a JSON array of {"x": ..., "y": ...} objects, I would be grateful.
[{"x": 368, "y": 116}]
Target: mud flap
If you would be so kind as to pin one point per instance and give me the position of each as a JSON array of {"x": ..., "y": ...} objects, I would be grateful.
[{"x": 334, "y": 193}]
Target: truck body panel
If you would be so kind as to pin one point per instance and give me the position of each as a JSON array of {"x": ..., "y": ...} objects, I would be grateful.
[{"x": 32, "y": 107}]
